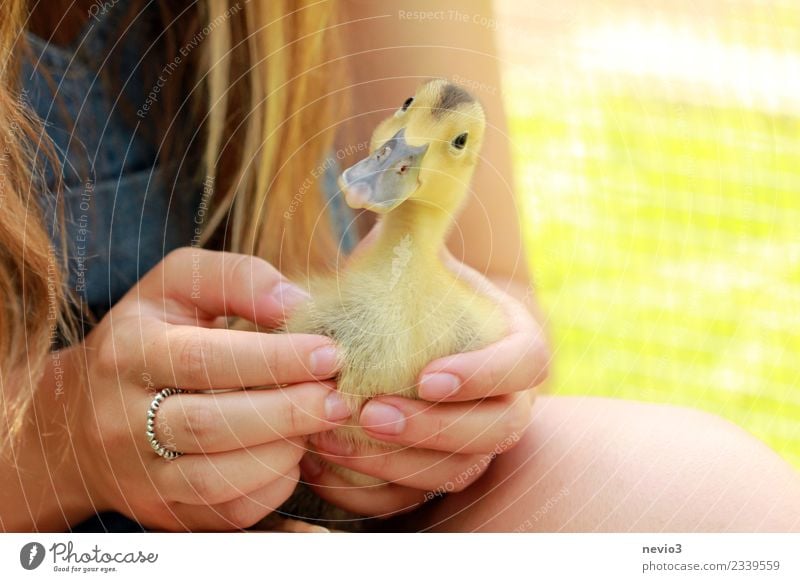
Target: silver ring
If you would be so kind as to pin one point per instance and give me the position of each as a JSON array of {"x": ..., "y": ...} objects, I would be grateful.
[{"x": 160, "y": 449}]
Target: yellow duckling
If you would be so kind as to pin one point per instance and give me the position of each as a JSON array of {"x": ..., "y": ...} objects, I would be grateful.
[{"x": 396, "y": 307}]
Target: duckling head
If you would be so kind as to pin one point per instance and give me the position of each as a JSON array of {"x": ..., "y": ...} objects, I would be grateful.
[{"x": 425, "y": 152}]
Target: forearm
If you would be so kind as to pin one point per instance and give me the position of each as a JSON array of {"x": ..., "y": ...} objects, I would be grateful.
[{"x": 41, "y": 488}]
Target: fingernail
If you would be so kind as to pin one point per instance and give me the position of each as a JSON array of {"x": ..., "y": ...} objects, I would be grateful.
[
  {"x": 438, "y": 386},
  {"x": 324, "y": 361},
  {"x": 289, "y": 296},
  {"x": 335, "y": 407},
  {"x": 382, "y": 418},
  {"x": 310, "y": 465}
]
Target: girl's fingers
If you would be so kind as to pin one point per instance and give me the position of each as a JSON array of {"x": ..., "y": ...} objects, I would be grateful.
[
  {"x": 461, "y": 427},
  {"x": 374, "y": 500},
  {"x": 223, "y": 477},
  {"x": 203, "y": 284},
  {"x": 517, "y": 362},
  {"x": 198, "y": 358},
  {"x": 240, "y": 513},
  {"x": 227, "y": 421},
  {"x": 423, "y": 469}
]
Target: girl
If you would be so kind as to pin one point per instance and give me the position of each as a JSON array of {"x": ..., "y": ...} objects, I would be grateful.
[{"x": 163, "y": 169}]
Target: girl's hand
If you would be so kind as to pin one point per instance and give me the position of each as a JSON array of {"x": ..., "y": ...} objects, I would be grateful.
[
  {"x": 481, "y": 406},
  {"x": 242, "y": 448}
]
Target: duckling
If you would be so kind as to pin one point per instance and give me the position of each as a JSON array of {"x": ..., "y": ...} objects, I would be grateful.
[{"x": 396, "y": 307}]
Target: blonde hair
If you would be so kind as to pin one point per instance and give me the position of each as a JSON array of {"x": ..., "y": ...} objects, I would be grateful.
[
  {"x": 267, "y": 116},
  {"x": 267, "y": 81}
]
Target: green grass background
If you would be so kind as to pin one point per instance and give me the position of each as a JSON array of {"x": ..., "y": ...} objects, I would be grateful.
[{"x": 665, "y": 244}]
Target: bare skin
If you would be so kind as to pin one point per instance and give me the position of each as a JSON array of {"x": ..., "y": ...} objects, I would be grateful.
[{"x": 595, "y": 464}]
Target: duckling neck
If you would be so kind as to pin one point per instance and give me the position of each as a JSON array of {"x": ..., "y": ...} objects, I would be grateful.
[{"x": 416, "y": 230}]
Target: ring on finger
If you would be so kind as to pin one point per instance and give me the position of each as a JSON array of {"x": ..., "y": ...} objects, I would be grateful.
[{"x": 159, "y": 448}]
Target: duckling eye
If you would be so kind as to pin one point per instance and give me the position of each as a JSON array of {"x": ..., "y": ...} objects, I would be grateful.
[
  {"x": 460, "y": 141},
  {"x": 407, "y": 103}
]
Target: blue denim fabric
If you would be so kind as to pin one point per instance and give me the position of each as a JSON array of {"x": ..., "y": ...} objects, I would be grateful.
[{"x": 122, "y": 217}]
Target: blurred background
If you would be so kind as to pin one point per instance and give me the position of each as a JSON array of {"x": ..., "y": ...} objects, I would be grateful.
[{"x": 657, "y": 145}]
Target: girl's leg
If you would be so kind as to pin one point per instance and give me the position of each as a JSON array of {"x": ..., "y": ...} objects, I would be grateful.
[{"x": 593, "y": 464}]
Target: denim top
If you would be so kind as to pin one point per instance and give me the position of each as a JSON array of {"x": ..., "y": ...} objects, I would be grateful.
[{"x": 122, "y": 216}]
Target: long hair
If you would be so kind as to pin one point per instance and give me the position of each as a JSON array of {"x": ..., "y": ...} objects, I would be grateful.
[
  {"x": 264, "y": 117},
  {"x": 34, "y": 304},
  {"x": 270, "y": 123}
]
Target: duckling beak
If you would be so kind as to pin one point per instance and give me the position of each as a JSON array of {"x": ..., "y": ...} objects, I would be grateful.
[{"x": 386, "y": 178}]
